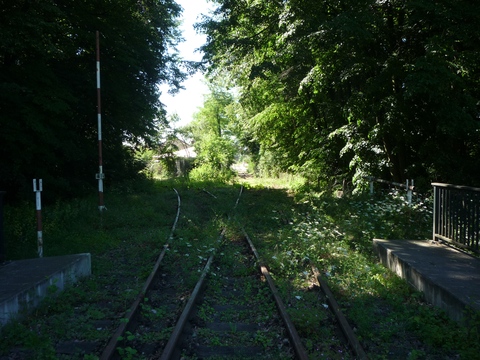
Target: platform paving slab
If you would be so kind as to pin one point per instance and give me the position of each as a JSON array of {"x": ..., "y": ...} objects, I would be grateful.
[
  {"x": 448, "y": 278},
  {"x": 24, "y": 283}
]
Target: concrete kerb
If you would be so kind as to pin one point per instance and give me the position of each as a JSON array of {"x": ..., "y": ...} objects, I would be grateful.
[
  {"x": 25, "y": 283},
  {"x": 436, "y": 271}
]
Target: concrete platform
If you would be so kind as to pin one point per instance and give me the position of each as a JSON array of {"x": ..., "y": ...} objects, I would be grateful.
[
  {"x": 24, "y": 283},
  {"x": 449, "y": 279}
]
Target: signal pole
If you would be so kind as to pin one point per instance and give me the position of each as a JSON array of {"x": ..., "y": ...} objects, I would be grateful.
[{"x": 100, "y": 176}]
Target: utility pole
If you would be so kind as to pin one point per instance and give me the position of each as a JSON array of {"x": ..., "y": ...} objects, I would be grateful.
[{"x": 100, "y": 176}]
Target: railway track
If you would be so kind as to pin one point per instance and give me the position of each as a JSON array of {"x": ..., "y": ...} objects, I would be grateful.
[
  {"x": 145, "y": 304},
  {"x": 225, "y": 306},
  {"x": 231, "y": 313},
  {"x": 149, "y": 320}
]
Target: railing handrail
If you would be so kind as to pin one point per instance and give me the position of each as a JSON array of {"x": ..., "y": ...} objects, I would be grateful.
[
  {"x": 410, "y": 185},
  {"x": 458, "y": 187}
]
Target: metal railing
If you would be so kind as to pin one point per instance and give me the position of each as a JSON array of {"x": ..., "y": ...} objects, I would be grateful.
[
  {"x": 456, "y": 215},
  {"x": 408, "y": 186}
]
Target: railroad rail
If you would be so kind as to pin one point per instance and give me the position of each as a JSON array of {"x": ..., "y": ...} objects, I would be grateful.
[
  {"x": 292, "y": 331},
  {"x": 344, "y": 325},
  {"x": 111, "y": 348},
  {"x": 119, "y": 343},
  {"x": 208, "y": 320},
  {"x": 244, "y": 255},
  {"x": 335, "y": 308}
]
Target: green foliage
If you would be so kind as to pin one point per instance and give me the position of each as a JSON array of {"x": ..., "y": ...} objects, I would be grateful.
[
  {"x": 48, "y": 90},
  {"x": 127, "y": 353},
  {"x": 14, "y": 334},
  {"x": 354, "y": 88},
  {"x": 64, "y": 223},
  {"x": 215, "y": 115},
  {"x": 145, "y": 158},
  {"x": 207, "y": 172},
  {"x": 215, "y": 156},
  {"x": 213, "y": 138},
  {"x": 20, "y": 237},
  {"x": 216, "y": 152}
]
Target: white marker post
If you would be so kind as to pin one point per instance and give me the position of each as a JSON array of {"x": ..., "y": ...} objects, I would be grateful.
[
  {"x": 38, "y": 198},
  {"x": 410, "y": 188}
]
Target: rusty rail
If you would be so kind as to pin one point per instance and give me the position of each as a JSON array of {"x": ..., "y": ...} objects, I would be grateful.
[
  {"x": 292, "y": 331},
  {"x": 109, "y": 351},
  {"x": 346, "y": 328}
]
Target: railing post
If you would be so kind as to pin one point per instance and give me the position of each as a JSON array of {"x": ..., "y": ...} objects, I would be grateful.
[
  {"x": 3, "y": 255},
  {"x": 409, "y": 192}
]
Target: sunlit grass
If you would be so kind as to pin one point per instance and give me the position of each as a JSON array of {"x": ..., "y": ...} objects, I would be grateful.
[{"x": 282, "y": 181}]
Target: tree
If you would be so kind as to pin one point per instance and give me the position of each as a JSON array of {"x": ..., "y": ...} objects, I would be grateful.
[
  {"x": 47, "y": 87},
  {"x": 212, "y": 135},
  {"x": 356, "y": 88}
]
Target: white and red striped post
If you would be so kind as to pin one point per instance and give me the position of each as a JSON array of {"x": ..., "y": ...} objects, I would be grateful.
[
  {"x": 100, "y": 176},
  {"x": 38, "y": 198}
]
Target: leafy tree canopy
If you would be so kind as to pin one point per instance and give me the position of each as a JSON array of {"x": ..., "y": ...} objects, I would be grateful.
[
  {"x": 341, "y": 90},
  {"x": 212, "y": 131},
  {"x": 48, "y": 87}
]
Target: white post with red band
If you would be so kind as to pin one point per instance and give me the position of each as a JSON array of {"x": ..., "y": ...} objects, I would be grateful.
[
  {"x": 38, "y": 199},
  {"x": 100, "y": 176}
]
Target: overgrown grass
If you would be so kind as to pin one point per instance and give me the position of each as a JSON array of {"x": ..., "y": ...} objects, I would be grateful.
[
  {"x": 335, "y": 234},
  {"x": 76, "y": 226},
  {"x": 292, "y": 230},
  {"x": 124, "y": 241}
]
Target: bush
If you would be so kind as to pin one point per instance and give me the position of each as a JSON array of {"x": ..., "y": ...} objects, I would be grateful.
[{"x": 207, "y": 172}]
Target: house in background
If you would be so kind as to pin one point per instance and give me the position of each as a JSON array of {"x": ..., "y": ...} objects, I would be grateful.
[
  {"x": 186, "y": 152},
  {"x": 184, "y": 157}
]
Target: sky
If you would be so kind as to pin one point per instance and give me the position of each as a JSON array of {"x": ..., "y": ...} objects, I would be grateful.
[{"x": 186, "y": 102}]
